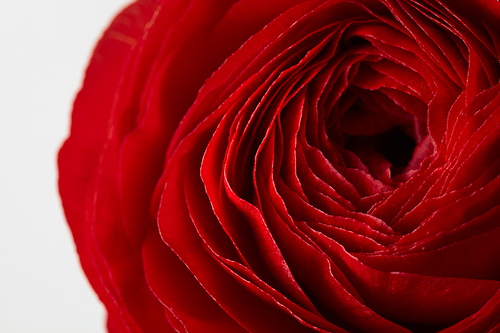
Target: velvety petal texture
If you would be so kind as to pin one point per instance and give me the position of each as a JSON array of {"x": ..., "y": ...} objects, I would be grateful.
[{"x": 291, "y": 166}]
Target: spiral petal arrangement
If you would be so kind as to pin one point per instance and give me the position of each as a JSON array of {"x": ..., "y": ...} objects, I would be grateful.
[{"x": 293, "y": 166}]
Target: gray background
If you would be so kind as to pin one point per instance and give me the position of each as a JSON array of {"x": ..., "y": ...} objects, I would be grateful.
[{"x": 44, "y": 49}]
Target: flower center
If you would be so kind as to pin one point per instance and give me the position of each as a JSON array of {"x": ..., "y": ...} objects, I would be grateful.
[
  {"x": 381, "y": 134},
  {"x": 394, "y": 145}
]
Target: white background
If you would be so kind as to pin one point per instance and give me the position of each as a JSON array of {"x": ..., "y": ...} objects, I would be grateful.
[{"x": 44, "y": 48}]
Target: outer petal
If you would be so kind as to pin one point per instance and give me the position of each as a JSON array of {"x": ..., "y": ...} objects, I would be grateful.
[{"x": 94, "y": 129}]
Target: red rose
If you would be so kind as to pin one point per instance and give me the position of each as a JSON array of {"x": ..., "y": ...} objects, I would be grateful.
[{"x": 291, "y": 166}]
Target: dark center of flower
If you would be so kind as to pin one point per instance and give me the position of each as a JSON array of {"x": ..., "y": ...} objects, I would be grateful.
[
  {"x": 394, "y": 145},
  {"x": 397, "y": 147},
  {"x": 379, "y": 134}
]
